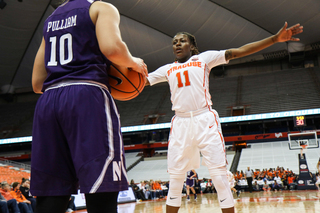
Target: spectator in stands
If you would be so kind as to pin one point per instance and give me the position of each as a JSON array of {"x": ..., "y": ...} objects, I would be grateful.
[
  {"x": 278, "y": 180},
  {"x": 241, "y": 174},
  {"x": 12, "y": 203},
  {"x": 291, "y": 183},
  {"x": 197, "y": 186},
  {"x": 276, "y": 186},
  {"x": 23, "y": 202},
  {"x": 156, "y": 187},
  {"x": 152, "y": 192},
  {"x": 266, "y": 186},
  {"x": 145, "y": 189},
  {"x": 209, "y": 187},
  {"x": 3, "y": 205},
  {"x": 71, "y": 206},
  {"x": 248, "y": 175},
  {"x": 284, "y": 181},
  {"x": 24, "y": 188},
  {"x": 137, "y": 191},
  {"x": 256, "y": 186}
]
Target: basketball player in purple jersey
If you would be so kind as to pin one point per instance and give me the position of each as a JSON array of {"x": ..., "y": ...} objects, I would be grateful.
[
  {"x": 190, "y": 183},
  {"x": 76, "y": 132}
]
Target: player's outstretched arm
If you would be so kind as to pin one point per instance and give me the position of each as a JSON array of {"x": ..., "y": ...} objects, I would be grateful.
[
  {"x": 39, "y": 73},
  {"x": 284, "y": 34},
  {"x": 107, "y": 19}
]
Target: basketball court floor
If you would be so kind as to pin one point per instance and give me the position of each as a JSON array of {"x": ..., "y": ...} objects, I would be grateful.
[{"x": 257, "y": 202}]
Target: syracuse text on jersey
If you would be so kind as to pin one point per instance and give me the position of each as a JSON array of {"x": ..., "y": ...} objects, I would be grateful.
[
  {"x": 63, "y": 24},
  {"x": 190, "y": 64}
]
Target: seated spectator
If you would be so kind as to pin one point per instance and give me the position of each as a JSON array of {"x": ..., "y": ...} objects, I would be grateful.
[
  {"x": 197, "y": 186},
  {"x": 284, "y": 181},
  {"x": 266, "y": 178},
  {"x": 291, "y": 183},
  {"x": 137, "y": 191},
  {"x": 256, "y": 186},
  {"x": 23, "y": 203},
  {"x": 24, "y": 188},
  {"x": 276, "y": 186},
  {"x": 266, "y": 186},
  {"x": 145, "y": 189},
  {"x": 165, "y": 189},
  {"x": 278, "y": 180},
  {"x": 3, "y": 205},
  {"x": 156, "y": 187},
  {"x": 209, "y": 187},
  {"x": 11, "y": 201}
]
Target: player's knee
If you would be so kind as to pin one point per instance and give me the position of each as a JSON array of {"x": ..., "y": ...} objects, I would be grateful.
[
  {"x": 175, "y": 190},
  {"x": 223, "y": 189}
]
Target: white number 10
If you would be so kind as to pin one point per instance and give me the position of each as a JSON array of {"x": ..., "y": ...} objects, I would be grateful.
[{"x": 63, "y": 60}]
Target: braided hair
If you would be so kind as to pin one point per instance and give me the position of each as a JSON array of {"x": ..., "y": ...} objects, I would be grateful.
[{"x": 193, "y": 41}]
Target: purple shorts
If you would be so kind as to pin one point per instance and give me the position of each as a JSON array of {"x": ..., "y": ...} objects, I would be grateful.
[
  {"x": 77, "y": 141},
  {"x": 190, "y": 182}
]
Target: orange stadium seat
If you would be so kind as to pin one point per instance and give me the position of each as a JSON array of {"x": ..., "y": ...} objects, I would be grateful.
[{"x": 10, "y": 175}]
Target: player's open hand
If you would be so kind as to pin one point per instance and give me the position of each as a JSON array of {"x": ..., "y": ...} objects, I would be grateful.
[
  {"x": 140, "y": 67},
  {"x": 286, "y": 34}
]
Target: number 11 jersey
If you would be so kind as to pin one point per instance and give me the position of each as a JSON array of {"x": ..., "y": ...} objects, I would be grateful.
[{"x": 189, "y": 81}]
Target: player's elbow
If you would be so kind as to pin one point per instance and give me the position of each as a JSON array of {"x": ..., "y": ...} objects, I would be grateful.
[
  {"x": 37, "y": 86},
  {"x": 37, "y": 89}
]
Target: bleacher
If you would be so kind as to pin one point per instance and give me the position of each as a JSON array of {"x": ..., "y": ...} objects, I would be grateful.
[
  {"x": 12, "y": 174},
  {"x": 13, "y": 116},
  {"x": 280, "y": 91},
  {"x": 157, "y": 170},
  {"x": 273, "y": 154},
  {"x": 131, "y": 158}
]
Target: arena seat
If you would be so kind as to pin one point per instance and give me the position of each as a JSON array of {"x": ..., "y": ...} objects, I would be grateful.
[
  {"x": 273, "y": 154},
  {"x": 10, "y": 174},
  {"x": 157, "y": 170}
]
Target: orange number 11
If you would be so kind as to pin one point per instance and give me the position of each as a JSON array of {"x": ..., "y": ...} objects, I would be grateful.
[{"x": 186, "y": 76}]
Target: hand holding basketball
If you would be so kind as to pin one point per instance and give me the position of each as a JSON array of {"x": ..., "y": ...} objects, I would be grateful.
[
  {"x": 140, "y": 67},
  {"x": 285, "y": 34},
  {"x": 125, "y": 83}
]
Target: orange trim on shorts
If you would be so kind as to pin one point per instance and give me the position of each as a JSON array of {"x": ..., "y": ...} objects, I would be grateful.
[
  {"x": 221, "y": 137},
  {"x": 171, "y": 127}
]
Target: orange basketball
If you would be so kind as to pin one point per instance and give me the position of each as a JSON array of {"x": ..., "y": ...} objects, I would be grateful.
[{"x": 125, "y": 84}]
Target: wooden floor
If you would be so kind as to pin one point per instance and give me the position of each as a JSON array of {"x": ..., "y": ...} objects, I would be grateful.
[{"x": 256, "y": 202}]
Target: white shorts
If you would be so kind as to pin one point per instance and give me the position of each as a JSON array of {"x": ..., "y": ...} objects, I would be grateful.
[{"x": 192, "y": 133}]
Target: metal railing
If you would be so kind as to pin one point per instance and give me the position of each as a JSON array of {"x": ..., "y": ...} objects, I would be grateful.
[{"x": 15, "y": 164}]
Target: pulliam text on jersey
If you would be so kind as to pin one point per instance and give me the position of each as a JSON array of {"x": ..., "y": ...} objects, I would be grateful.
[{"x": 62, "y": 24}]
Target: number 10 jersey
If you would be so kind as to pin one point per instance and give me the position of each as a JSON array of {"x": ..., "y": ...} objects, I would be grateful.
[
  {"x": 71, "y": 46},
  {"x": 189, "y": 81}
]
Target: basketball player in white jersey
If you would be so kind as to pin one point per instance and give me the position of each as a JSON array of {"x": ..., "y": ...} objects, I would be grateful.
[{"x": 196, "y": 126}]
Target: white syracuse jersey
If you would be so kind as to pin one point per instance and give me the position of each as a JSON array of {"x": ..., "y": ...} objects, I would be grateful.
[{"x": 189, "y": 81}]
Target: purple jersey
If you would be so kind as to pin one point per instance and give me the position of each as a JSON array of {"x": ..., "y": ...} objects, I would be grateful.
[
  {"x": 190, "y": 174},
  {"x": 71, "y": 46}
]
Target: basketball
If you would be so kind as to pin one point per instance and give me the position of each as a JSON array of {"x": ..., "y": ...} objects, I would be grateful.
[{"x": 125, "y": 84}]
